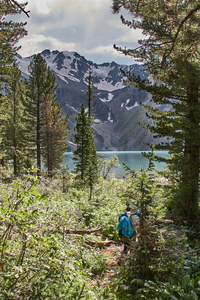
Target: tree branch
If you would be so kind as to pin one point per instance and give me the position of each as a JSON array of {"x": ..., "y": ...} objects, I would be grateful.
[
  {"x": 20, "y": 7},
  {"x": 179, "y": 29}
]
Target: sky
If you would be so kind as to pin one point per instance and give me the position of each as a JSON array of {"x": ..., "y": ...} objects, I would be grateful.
[{"x": 87, "y": 27}]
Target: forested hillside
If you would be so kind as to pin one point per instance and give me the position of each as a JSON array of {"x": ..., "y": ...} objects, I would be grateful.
[{"x": 87, "y": 235}]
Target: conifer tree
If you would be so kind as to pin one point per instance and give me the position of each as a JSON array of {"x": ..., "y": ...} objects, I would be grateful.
[
  {"x": 11, "y": 32},
  {"x": 80, "y": 155},
  {"x": 170, "y": 53},
  {"x": 89, "y": 94},
  {"x": 49, "y": 125},
  {"x": 38, "y": 87},
  {"x": 55, "y": 132},
  {"x": 85, "y": 155},
  {"x": 87, "y": 166},
  {"x": 93, "y": 170},
  {"x": 55, "y": 129},
  {"x": 13, "y": 132}
]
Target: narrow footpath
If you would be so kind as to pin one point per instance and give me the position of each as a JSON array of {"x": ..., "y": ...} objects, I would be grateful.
[{"x": 113, "y": 254}]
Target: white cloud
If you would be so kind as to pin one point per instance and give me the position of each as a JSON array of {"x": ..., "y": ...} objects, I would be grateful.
[
  {"x": 103, "y": 49},
  {"x": 130, "y": 35},
  {"x": 37, "y": 43},
  {"x": 88, "y": 27},
  {"x": 41, "y": 6}
]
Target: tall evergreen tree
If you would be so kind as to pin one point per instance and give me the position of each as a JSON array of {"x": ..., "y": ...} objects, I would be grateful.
[
  {"x": 49, "y": 125},
  {"x": 93, "y": 170},
  {"x": 11, "y": 32},
  {"x": 55, "y": 129},
  {"x": 81, "y": 154},
  {"x": 55, "y": 132},
  {"x": 38, "y": 88},
  {"x": 13, "y": 132},
  {"x": 87, "y": 166},
  {"x": 89, "y": 94},
  {"x": 170, "y": 52},
  {"x": 85, "y": 155}
]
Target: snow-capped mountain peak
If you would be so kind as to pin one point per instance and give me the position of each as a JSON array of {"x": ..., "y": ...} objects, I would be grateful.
[{"x": 116, "y": 105}]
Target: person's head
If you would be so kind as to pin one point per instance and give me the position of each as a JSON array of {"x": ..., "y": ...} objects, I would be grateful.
[{"x": 128, "y": 208}]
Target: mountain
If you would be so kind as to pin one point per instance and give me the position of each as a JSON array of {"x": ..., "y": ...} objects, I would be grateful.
[{"x": 116, "y": 105}]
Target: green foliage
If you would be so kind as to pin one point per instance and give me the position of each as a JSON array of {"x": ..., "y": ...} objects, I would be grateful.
[
  {"x": 47, "y": 126},
  {"x": 187, "y": 289},
  {"x": 106, "y": 165},
  {"x": 40, "y": 259},
  {"x": 168, "y": 34},
  {"x": 37, "y": 260},
  {"x": 160, "y": 251},
  {"x": 11, "y": 32},
  {"x": 13, "y": 124},
  {"x": 85, "y": 156}
]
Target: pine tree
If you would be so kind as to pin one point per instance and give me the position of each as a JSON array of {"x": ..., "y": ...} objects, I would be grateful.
[
  {"x": 28, "y": 118},
  {"x": 11, "y": 32},
  {"x": 89, "y": 94},
  {"x": 170, "y": 53},
  {"x": 93, "y": 170},
  {"x": 81, "y": 154},
  {"x": 87, "y": 166},
  {"x": 13, "y": 132},
  {"x": 48, "y": 123},
  {"x": 55, "y": 133},
  {"x": 38, "y": 88},
  {"x": 85, "y": 155}
]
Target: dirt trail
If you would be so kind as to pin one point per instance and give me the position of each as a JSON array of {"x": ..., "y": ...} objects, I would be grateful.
[{"x": 113, "y": 253}]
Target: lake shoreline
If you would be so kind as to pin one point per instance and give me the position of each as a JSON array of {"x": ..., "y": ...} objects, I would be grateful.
[{"x": 132, "y": 159}]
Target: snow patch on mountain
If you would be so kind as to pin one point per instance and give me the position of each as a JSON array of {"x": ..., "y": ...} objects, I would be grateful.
[
  {"x": 125, "y": 104},
  {"x": 97, "y": 121},
  {"x": 109, "y": 118},
  {"x": 131, "y": 107},
  {"x": 109, "y": 98},
  {"x": 75, "y": 110},
  {"x": 108, "y": 86}
]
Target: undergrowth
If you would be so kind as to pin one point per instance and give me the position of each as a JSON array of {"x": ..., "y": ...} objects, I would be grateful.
[{"x": 42, "y": 257}]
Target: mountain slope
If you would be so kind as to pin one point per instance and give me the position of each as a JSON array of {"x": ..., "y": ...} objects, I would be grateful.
[{"x": 117, "y": 107}]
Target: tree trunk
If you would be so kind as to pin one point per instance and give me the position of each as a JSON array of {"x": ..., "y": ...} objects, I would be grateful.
[
  {"x": 191, "y": 199},
  {"x": 38, "y": 139},
  {"x": 194, "y": 179}
]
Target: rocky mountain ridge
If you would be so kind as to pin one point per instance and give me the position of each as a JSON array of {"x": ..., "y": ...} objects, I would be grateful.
[{"x": 116, "y": 105}]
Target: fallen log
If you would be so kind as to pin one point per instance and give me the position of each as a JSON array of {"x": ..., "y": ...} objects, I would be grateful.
[
  {"x": 100, "y": 243},
  {"x": 80, "y": 231}
]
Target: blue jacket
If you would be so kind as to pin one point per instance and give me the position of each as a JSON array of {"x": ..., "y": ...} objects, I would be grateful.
[{"x": 124, "y": 226}]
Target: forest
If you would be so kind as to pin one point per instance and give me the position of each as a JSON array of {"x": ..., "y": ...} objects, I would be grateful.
[{"x": 58, "y": 230}]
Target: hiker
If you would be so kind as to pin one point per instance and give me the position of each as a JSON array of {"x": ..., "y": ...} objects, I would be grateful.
[
  {"x": 125, "y": 229},
  {"x": 134, "y": 217}
]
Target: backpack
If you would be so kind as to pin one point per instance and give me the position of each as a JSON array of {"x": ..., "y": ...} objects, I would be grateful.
[
  {"x": 138, "y": 212},
  {"x": 124, "y": 226}
]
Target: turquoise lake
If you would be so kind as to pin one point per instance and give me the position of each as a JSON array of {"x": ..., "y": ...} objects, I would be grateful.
[{"x": 133, "y": 159}]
